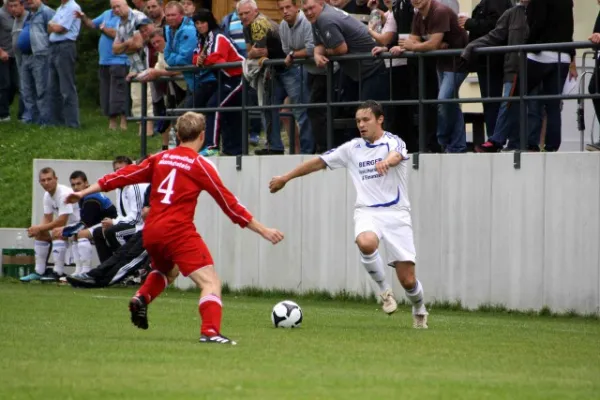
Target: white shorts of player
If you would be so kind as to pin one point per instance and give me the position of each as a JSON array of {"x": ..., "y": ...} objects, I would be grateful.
[{"x": 392, "y": 227}]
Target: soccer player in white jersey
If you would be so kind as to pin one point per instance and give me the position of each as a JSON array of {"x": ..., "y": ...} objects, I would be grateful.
[
  {"x": 56, "y": 214},
  {"x": 377, "y": 163}
]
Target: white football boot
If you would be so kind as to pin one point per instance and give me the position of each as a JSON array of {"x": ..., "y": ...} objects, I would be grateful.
[
  {"x": 389, "y": 304},
  {"x": 420, "y": 318}
]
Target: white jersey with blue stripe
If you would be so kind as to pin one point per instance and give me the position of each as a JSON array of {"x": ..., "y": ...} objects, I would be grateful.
[{"x": 372, "y": 189}]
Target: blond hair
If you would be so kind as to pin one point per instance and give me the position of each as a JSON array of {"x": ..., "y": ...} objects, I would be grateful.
[{"x": 190, "y": 125}]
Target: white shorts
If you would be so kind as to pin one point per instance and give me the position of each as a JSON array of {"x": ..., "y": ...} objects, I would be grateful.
[{"x": 392, "y": 227}]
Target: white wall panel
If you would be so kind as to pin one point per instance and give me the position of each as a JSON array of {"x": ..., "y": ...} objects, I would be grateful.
[
  {"x": 425, "y": 199},
  {"x": 484, "y": 232},
  {"x": 238, "y": 249},
  {"x": 324, "y": 227},
  {"x": 517, "y": 231},
  {"x": 357, "y": 279},
  {"x": 280, "y": 266},
  {"x": 465, "y": 224},
  {"x": 572, "y": 232}
]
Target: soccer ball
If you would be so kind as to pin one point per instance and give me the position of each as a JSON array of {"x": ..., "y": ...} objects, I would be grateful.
[{"x": 286, "y": 314}]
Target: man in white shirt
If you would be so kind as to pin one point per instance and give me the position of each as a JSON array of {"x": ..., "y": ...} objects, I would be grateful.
[
  {"x": 377, "y": 164},
  {"x": 56, "y": 214},
  {"x": 114, "y": 232}
]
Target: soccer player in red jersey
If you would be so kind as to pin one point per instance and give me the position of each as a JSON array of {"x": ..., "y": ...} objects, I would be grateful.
[{"x": 177, "y": 177}]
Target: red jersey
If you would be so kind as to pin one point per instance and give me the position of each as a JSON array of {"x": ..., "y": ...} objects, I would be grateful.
[{"x": 177, "y": 176}]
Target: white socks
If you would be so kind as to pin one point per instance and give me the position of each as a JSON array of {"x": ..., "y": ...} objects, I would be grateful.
[
  {"x": 75, "y": 255},
  {"x": 85, "y": 255},
  {"x": 376, "y": 269},
  {"x": 415, "y": 296},
  {"x": 59, "y": 249},
  {"x": 41, "y": 256}
]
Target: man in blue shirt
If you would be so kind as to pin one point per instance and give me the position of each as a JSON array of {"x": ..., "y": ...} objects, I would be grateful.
[
  {"x": 63, "y": 29},
  {"x": 113, "y": 68},
  {"x": 34, "y": 45}
]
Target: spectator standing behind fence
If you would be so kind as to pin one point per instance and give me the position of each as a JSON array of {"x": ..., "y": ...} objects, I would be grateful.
[
  {"x": 399, "y": 118},
  {"x": 262, "y": 41},
  {"x": 336, "y": 33},
  {"x": 175, "y": 91},
  {"x": 512, "y": 30},
  {"x": 297, "y": 42},
  {"x": 129, "y": 41},
  {"x": 62, "y": 91},
  {"x": 216, "y": 48},
  {"x": 433, "y": 25},
  {"x": 594, "y": 86},
  {"x": 34, "y": 45},
  {"x": 9, "y": 74},
  {"x": 155, "y": 11},
  {"x": 182, "y": 40},
  {"x": 19, "y": 13},
  {"x": 550, "y": 21},
  {"x": 489, "y": 68},
  {"x": 233, "y": 28},
  {"x": 113, "y": 68}
]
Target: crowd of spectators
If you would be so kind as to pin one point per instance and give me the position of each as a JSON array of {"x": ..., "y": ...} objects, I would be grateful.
[{"x": 139, "y": 44}]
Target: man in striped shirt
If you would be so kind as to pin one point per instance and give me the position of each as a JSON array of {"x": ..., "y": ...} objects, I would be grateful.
[{"x": 232, "y": 27}]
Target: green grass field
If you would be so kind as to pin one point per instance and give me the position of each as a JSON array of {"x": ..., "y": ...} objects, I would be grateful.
[{"x": 61, "y": 343}]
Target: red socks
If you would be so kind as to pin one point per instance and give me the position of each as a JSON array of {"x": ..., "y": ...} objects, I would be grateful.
[
  {"x": 211, "y": 310},
  {"x": 154, "y": 285}
]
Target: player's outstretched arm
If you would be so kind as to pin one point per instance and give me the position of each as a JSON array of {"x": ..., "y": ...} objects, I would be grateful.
[
  {"x": 76, "y": 196},
  {"x": 270, "y": 234},
  {"x": 307, "y": 167}
]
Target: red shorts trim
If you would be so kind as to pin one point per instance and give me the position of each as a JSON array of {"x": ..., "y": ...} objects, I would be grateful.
[{"x": 189, "y": 255}]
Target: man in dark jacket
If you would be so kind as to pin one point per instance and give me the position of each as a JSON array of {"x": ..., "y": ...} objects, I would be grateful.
[
  {"x": 595, "y": 81},
  {"x": 489, "y": 68},
  {"x": 550, "y": 21},
  {"x": 511, "y": 29}
]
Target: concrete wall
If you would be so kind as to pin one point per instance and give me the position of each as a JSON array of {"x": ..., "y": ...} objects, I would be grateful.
[{"x": 485, "y": 232}]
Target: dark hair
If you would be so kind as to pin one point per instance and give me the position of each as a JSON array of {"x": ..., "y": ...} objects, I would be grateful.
[
  {"x": 47, "y": 170},
  {"x": 372, "y": 105},
  {"x": 205, "y": 15},
  {"x": 122, "y": 160},
  {"x": 78, "y": 174}
]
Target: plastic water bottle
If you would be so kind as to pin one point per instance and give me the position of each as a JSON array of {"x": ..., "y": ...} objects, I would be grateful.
[
  {"x": 172, "y": 138},
  {"x": 19, "y": 241},
  {"x": 375, "y": 21}
]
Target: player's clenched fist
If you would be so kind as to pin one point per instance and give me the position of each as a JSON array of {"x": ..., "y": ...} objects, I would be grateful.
[
  {"x": 272, "y": 235},
  {"x": 276, "y": 184},
  {"x": 382, "y": 167}
]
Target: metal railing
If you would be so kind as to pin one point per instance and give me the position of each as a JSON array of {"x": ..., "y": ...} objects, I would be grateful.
[{"x": 421, "y": 101}]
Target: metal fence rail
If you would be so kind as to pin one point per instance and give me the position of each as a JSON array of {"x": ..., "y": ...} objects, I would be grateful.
[{"x": 421, "y": 101}]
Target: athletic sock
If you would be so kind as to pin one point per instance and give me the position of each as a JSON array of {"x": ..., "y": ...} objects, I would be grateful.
[
  {"x": 59, "y": 250},
  {"x": 41, "y": 256},
  {"x": 154, "y": 285},
  {"x": 415, "y": 295},
  {"x": 211, "y": 311},
  {"x": 373, "y": 263},
  {"x": 85, "y": 250}
]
